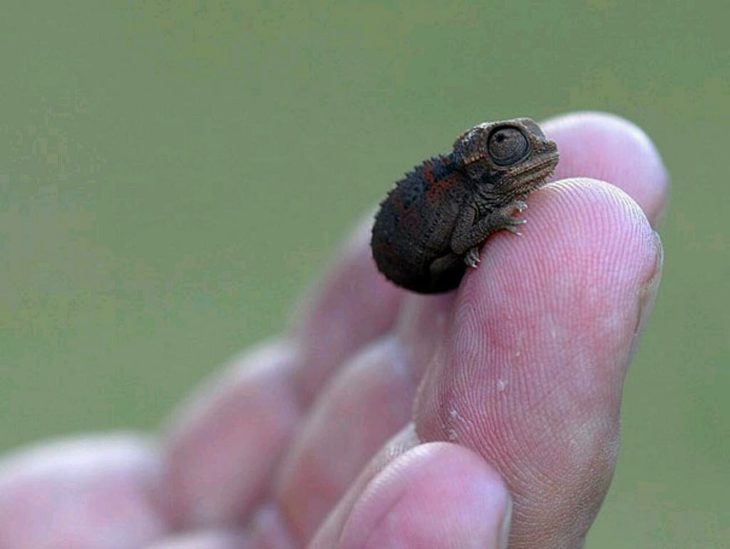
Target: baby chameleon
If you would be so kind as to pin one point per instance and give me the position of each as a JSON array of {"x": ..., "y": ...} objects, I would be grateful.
[{"x": 431, "y": 224}]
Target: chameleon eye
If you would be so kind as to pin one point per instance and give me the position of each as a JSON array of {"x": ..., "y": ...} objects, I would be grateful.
[{"x": 507, "y": 146}]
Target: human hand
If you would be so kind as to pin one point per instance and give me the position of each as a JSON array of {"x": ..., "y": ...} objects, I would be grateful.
[{"x": 384, "y": 417}]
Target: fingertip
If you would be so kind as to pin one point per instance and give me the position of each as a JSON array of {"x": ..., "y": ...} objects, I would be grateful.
[
  {"x": 434, "y": 495},
  {"x": 583, "y": 233},
  {"x": 245, "y": 414},
  {"x": 84, "y": 492},
  {"x": 610, "y": 148},
  {"x": 351, "y": 305}
]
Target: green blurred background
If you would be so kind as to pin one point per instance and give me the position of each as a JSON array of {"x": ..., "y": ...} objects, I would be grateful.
[{"x": 172, "y": 174}]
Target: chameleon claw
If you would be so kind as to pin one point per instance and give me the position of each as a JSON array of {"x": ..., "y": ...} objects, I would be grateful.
[
  {"x": 472, "y": 257},
  {"x": 513, "y": 227},
  {"x": 519, "y": 206}
]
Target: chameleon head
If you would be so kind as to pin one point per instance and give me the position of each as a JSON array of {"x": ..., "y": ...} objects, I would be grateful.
[{"x": 512, "y": 152}]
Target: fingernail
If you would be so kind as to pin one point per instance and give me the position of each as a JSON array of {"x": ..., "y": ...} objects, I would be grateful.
[
  {"x": 506, "y": 523},
  {"x": 648, "y": 293}
]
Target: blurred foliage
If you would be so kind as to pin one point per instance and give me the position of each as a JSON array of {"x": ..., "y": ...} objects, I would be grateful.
[{"x": 173, "y": 173}]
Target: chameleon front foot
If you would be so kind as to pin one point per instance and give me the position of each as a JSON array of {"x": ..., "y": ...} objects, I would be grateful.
[
  {"x": 509, "y": 221},
  {"x": 513, "y": 226}
]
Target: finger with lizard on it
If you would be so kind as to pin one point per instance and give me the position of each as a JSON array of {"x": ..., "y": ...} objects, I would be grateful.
[{"x": 530, "y": 373}]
